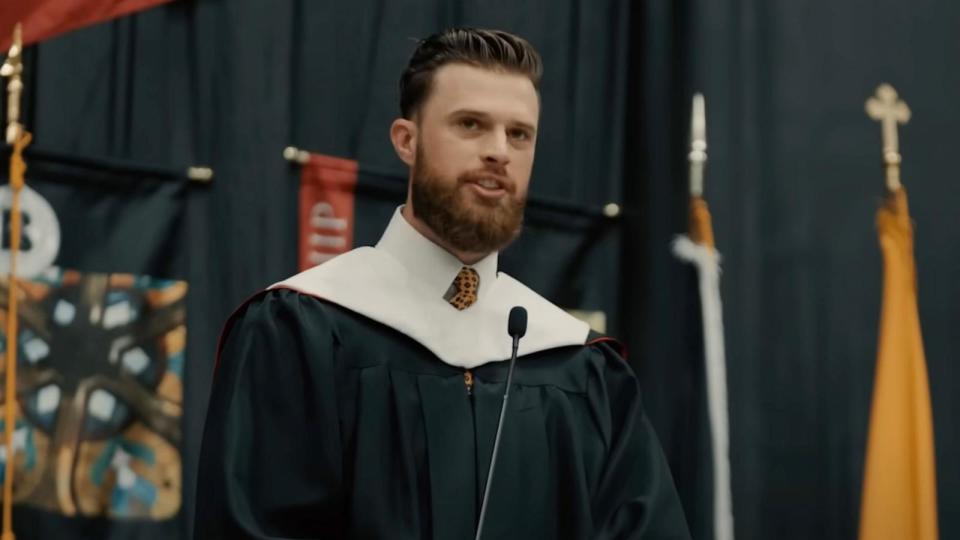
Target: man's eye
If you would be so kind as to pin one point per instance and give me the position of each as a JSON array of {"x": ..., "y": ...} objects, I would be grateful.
[
  {"x": 519, "y": 135},
  {"x": 469, "y": 123}
]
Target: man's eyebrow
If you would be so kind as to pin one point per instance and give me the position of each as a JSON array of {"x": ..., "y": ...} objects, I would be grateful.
[
  {"x": 486, "y": 116},
  {"x": 469, "y": 112}
]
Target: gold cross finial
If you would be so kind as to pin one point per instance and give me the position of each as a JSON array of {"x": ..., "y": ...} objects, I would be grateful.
[
  {"x": 12, "y": 68},
  {"x": 889, "y": 110}
]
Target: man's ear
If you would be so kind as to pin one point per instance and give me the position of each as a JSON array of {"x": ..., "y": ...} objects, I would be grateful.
[{"x": 403, "y": 135}]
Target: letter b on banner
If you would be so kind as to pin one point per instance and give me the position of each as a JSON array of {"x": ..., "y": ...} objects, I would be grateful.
[
  {"x": 40, "y": 232},
  {"x": 25, "y": 242}
]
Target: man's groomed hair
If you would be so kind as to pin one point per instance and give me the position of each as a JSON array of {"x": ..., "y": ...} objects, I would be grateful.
[{"x": 492, "y": 49}]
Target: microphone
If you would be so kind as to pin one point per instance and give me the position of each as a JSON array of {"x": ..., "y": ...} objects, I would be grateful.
[
  {"x": 517, "y": 324},
  {"x": 516, "y": 327}
]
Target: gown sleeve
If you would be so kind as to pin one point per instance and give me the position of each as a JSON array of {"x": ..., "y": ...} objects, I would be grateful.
[
  {"x": 270, "y": 463},
  {"x": 636, "y": 497}
]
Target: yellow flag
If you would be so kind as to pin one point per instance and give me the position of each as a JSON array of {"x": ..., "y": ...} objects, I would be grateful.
[{"x": 899, "y": 484}]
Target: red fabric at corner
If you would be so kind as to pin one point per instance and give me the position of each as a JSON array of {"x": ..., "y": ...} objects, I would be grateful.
[{"x": 44, "y": 19}]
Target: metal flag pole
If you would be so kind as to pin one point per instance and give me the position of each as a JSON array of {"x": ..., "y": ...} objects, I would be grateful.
[
  {"x": 17, "y": 136},
  {"x": 889, "y": 110},
  {"x": 699, "y": 248}
]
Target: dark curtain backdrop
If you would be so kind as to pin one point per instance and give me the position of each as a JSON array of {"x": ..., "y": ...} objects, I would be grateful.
[{"x": 793, "y": 180}]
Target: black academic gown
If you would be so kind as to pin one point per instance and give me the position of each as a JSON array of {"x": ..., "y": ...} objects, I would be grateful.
[{"x": 326, "y": 424}]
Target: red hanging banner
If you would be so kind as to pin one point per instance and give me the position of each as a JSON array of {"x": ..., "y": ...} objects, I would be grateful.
[
  {"x": 44, "y": 19},
  {"x": 327, "y": 193}
]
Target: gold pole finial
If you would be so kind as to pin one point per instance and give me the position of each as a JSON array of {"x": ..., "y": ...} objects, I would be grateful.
[
  {"x": 889, "y": 110},
  {"x": 13, "y": 68},
  {"x": 698, "y": 145}
]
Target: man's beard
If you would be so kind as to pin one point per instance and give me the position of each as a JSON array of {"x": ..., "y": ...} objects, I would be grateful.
[{"x": 475, "y": 226}]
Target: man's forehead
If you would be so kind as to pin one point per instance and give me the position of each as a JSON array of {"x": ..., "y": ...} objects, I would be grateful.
[{"x": 499, "y": 93}]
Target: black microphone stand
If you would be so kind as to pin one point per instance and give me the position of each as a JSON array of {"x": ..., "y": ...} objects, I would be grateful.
[{"x": 517, "y": 327}]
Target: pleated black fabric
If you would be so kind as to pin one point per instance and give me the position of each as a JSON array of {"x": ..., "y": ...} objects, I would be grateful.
[{"x": 325, "y": 424}]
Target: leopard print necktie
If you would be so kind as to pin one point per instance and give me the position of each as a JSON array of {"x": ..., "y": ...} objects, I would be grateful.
[{"x": 463, "y": 291}]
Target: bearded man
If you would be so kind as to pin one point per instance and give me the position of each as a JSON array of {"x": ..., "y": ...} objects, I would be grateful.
[{"x": 359, "y": 399}]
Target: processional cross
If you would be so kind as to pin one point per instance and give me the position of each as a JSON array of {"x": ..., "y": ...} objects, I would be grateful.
[{"x": 889, "y": 110}]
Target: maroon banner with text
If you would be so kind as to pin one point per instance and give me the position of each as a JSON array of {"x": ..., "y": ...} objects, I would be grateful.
[{"x": 327, "y": 192}]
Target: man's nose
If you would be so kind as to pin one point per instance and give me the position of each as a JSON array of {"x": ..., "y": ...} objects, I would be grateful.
[{"x": 495, "y": 149}]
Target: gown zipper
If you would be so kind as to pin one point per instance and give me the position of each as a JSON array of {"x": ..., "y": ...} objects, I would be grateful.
[{"x": 468, "y": 381}]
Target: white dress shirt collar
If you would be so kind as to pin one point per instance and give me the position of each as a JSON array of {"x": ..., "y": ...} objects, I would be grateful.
[{"x": 434, "y": 266}]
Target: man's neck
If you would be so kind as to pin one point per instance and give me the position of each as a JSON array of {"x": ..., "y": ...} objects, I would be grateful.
[{"x": 466, "y": 257}]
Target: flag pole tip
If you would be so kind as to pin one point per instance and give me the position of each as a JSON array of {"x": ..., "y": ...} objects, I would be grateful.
[
  {"x": 296, "y": 155},
  {"x": 199, "y": 174},
  {"x": 611, "y": 210},
  {"x": 697, "y": 157}
]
